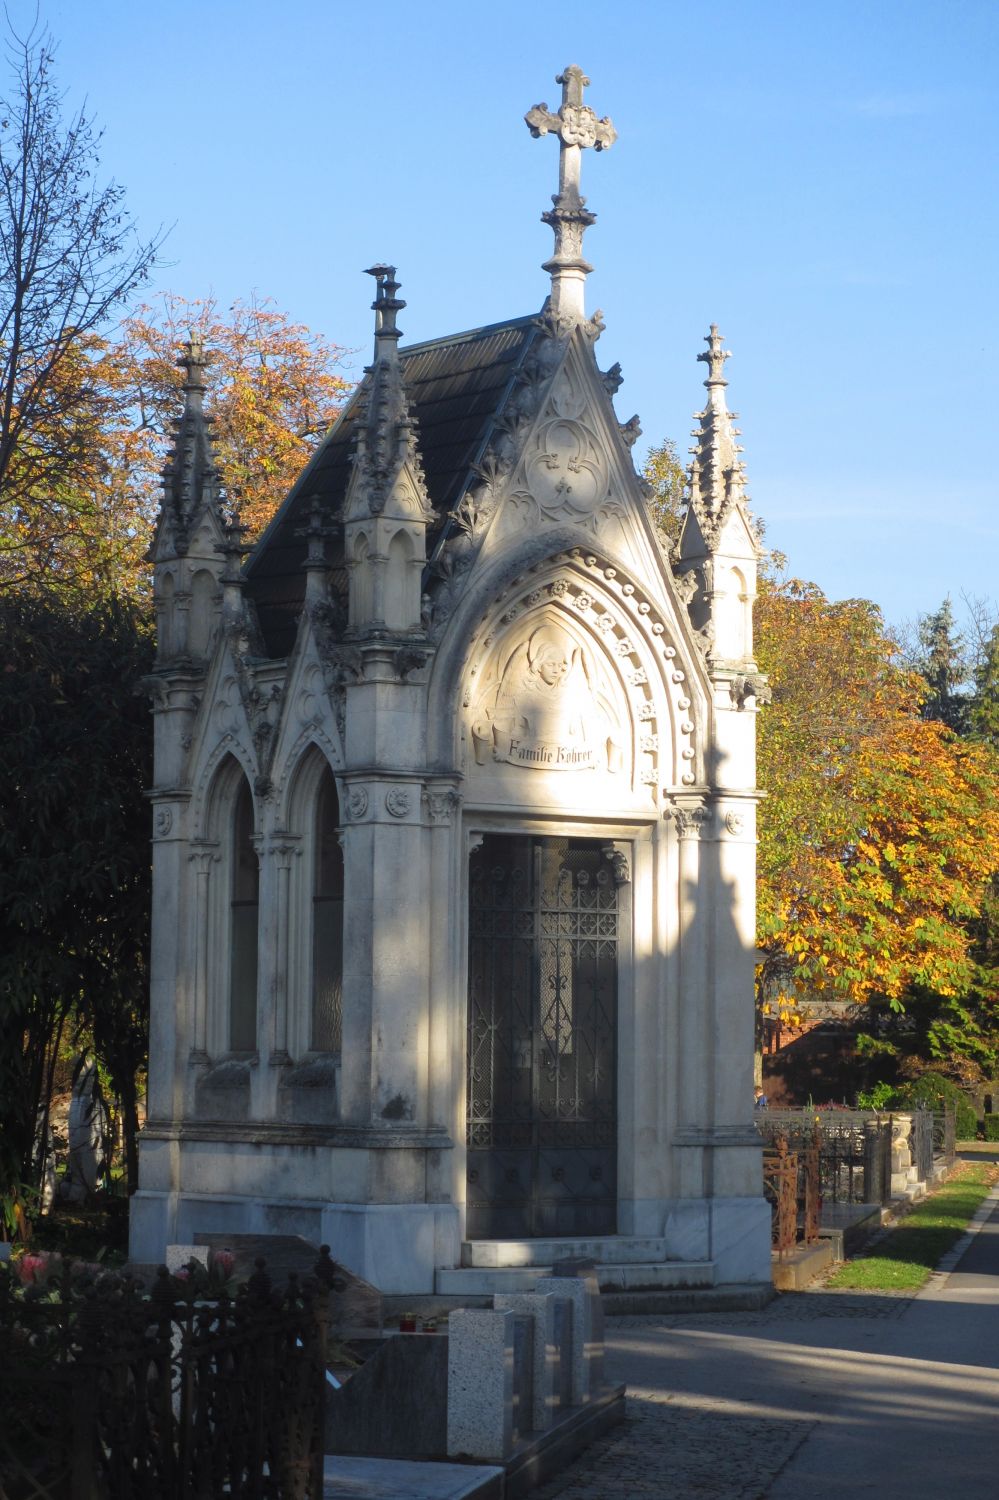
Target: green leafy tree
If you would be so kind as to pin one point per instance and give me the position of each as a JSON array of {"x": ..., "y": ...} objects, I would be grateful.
[
  {"x": 984, "y": 711},
  {"x": 74, "y": 857}
]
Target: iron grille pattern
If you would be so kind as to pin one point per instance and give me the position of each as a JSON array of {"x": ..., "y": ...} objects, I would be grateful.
[
  {"x": 542, "y": 1025},
  {"x": 110, "y": 1393}
]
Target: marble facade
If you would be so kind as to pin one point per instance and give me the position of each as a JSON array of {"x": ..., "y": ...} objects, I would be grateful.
[{"x": 461, "y": 626}]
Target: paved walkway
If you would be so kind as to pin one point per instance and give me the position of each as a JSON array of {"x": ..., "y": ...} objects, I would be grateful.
[{"x": 821, "y": 1396}]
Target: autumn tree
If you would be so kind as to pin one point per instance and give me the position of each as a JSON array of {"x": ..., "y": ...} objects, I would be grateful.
[
  {"x": 664, "y": 474},
  {"x": 74, "y": 859},
  {"x": 274, "y": 390},
  {"x": 878, "y": 837},
  {"x": 878, "y": 833},
  {"x": 70, "y": 257}
]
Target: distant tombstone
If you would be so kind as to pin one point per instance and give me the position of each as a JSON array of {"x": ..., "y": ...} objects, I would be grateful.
[
  {"x": 45, "y": 1154},
  {"x": 88, "y": 1123},
  {"x": 179, "y": 1257}
]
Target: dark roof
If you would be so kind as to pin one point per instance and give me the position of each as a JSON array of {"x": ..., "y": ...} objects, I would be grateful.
[{"x": 457, "y": 387}]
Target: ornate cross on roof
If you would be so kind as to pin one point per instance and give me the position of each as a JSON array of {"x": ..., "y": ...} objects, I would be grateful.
[
  {"x": 714, "y": 356},
  {"x": 577, "y": 127}
]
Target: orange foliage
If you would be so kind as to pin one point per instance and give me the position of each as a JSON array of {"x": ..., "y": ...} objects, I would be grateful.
[
  {"x": 880, "y": 828},
  {"x": 274, "y": 388}
]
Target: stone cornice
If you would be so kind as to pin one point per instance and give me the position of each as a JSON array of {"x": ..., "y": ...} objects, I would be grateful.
[{"x": 277, "y": 1133}]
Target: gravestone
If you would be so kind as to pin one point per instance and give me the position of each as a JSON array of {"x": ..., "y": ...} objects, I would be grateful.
[{"x": 395, "y": 1405}]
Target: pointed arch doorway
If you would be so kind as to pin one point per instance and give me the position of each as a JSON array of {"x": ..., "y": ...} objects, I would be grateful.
[{"x": 542, "y": 1039}]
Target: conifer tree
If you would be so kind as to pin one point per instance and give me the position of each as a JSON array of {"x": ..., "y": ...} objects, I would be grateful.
[
  {"x": 943, "y": 665},
  {"x": 984, "y": 713}
]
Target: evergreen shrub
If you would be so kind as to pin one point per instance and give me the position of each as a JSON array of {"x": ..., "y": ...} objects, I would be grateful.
[{"x": 934, "y": 1091}]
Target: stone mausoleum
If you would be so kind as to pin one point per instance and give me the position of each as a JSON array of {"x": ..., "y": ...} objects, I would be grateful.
[{"x": 454, "y": 824}]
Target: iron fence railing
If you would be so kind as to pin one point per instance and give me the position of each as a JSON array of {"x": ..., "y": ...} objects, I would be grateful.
[
  {"x": 945, "y": 1133},
  {"x": 792, "y": 1186},
  {"x": 854, "y": 1150},
  {"x": 111, "y": 1393},
  {"x": 921, "y": 1144}
]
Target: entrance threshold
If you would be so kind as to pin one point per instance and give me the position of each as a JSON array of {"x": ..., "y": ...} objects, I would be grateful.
[
  {"x": 611, "y": 1249},
  {"x": 620, "y": 1274}
]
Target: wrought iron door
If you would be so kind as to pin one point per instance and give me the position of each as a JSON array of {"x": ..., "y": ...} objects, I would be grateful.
[{"x": 542, "y": 1039}]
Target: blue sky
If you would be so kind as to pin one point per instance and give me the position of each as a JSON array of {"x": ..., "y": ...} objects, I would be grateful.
[{"x": 818, "y": 180}]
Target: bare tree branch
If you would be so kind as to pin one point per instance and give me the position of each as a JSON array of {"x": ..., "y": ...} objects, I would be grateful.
[{"x": 69, "y": 257}]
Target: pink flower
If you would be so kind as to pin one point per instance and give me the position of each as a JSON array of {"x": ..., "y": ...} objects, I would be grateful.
[
  {"x": 223, "y": 1262},
  {"x": 181, "y": 1275},
  {"x": 32, "y": 1266}
]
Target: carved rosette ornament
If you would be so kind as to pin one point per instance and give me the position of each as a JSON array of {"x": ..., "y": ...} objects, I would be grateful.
[
  {"x": 356, "y": 803},
  {"x": 735, "y": 822},
  {"x": 398, "y": 802}
]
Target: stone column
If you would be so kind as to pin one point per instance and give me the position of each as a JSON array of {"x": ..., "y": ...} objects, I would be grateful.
[
  {"x": 441, "y": 804},
  {"x": 203, "y": 862},
  {"x": 170, "y": 996},
  {"x": 386, "y": 936},
  {"x": 276, "y": 856},
  {"x": 358, "y": 903},
  {"x": 694, "y": 1065}
]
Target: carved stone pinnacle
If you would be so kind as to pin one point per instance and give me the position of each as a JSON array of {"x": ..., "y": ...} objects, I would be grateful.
[{"x": 714, "y": 357}]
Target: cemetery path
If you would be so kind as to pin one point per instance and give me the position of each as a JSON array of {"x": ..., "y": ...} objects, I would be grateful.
[{"x": 822, "y": 1395}]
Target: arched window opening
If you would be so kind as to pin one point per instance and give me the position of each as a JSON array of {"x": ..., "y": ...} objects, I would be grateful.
[
  {"x": 243, "y": 911},
  {"x": 399, "y": 584},
  {"x": 202, "y": 616},
  {"x": 327, "y": 922}
]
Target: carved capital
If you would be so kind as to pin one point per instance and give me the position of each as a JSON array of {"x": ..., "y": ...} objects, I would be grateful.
[
  {"x": 203, "y": 856},
  {"x": 407, "y": 659},
  {"x": 750, "y": 691},
  {"x": 691, "y": 821},
  {"x": 440, "y": 803},
  {"x": 156, "y": 689}
]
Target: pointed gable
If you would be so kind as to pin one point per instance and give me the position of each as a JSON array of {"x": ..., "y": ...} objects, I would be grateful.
[{"x": 457, "y": 388}]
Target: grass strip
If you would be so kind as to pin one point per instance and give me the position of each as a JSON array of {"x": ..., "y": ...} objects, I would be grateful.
[{"x": 908, "y": 1254}]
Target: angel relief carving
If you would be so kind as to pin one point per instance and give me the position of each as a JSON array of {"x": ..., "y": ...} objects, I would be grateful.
[{"x": 544, "y": 704}]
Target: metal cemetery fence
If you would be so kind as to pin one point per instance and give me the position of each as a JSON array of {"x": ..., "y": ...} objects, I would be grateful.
[
  {"x": 854, "y": 1150},
  {"x": 108, "y": 1392},
  {"x": 945, "y": 1132},
  {"x": 791, "y": 1185}
]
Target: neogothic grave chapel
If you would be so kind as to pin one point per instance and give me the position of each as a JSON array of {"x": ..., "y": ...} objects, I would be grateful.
[{"x": 454, "y": 824}]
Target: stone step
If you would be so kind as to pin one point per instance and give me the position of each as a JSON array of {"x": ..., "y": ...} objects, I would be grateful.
[
  {"x": 617, "y": 1249},
  {"x": 483, "y": 1281}
]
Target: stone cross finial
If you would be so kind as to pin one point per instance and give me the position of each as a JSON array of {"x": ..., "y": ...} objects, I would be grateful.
[
  {"x": 385, "y": 306},
  {"x": 315, "y": 532},
  {"x": 714, "y": 357},
  {"x": 577, "y": 127},
  {"x": 192, "y": 362}
]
